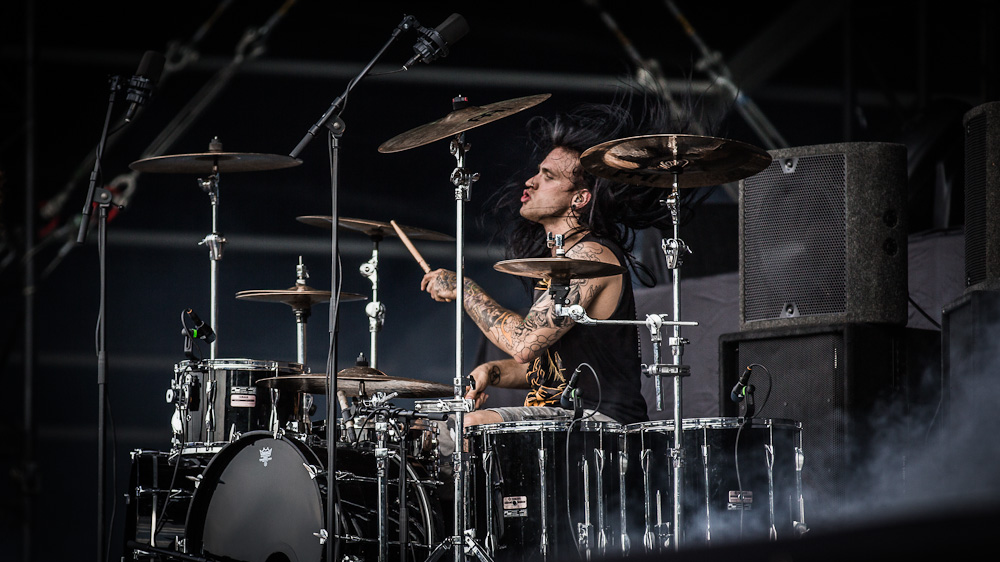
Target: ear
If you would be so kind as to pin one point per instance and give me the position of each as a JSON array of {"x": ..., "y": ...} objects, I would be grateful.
[{"x": 581, "y": 198}]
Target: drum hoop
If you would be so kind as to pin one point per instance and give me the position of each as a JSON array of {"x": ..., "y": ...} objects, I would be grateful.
[
  {"x": 238, "y": 364},
  {"x": 713, "y": 423},
  {"x": 536, "y": 426}
]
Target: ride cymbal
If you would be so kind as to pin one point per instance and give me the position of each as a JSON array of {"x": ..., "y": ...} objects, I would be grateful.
[
  {"x": 652, "y": 160},
  {"x": 375, "y": 228},
  {"x": 459, "y": 121},
  {"x": 214, "y": 161},
  {"x": 558, "y": 268}
]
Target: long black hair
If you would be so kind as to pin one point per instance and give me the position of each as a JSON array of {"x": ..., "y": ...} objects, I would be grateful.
[{"x": 616, "y": 211}]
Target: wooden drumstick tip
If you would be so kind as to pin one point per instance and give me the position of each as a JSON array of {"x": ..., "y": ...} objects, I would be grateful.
[{"x": 410, "y": 247}]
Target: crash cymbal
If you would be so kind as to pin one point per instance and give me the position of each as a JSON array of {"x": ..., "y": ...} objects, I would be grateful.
[
  {"x": 355, "y": 382},
  {"x": 215, "y": 160},
  {"x": 558, "y": 268},
  {"x": 651, "y": 160},
  {"x": 375, "y": 228},
  {"x": 299, "y": 296},
  {"x": 459, "y": 121}
]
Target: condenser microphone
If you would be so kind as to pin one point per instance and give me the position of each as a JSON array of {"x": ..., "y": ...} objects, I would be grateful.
[
  {"x": 569, "y": 393},
  {"x": 142, "y": 84},
  {"x": 201, "y": 330},
  {"x": 737, "y": 394},
  {"x": 434, "y": 43}
]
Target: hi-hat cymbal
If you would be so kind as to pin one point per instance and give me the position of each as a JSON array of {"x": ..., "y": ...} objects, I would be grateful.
[
  {"x": 359, "y": 381},
  {"x": 651, "y": 160},
  {"x": 558, "y": 268},
  {"x": 212, "y": 162},
  {"x": 459, "y": 121},
  {"x": 375, "y": 229},
  {"x": 299, "y": 296}
]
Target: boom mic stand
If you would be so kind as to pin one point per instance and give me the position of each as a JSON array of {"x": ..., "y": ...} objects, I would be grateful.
[
  {"x": 332, "y": 121},
  {"x": 104, "y": 201}
]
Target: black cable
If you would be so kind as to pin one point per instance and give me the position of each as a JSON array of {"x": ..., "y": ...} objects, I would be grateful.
[
  {"x": 923, "y": 312},
  {"x": 569, "y": 430}
]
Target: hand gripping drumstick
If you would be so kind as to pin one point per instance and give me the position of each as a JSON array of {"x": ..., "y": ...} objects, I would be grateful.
[{"x": 410, "y": 247}]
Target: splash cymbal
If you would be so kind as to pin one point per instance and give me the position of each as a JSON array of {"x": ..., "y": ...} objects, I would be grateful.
[
  {"x": 652, "y": 160},
  {"x": 559, "y": 268},
  {"x": 459, "y": 121},
  {"x": 359, "y": 381},
  {"x": 375, "y": 229},
  {"x": 299, "y": 296}
]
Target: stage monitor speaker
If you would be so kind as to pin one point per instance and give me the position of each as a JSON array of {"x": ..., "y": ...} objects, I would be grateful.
[
  {"x": 857, "y": 390},
  {"x": 823, "y": 233},
  {"x": 982, "y": 197},
  {"x": 970, "y": 333}
]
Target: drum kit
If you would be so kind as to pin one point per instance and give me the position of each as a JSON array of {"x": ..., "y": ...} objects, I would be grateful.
[{"x": 248, "y": 478}]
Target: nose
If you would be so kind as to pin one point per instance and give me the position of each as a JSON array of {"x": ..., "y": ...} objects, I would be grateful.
[{"x": 530, "y": 182}]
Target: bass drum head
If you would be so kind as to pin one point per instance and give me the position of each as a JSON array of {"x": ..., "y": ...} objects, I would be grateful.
[{"x": 259, "y": 502}]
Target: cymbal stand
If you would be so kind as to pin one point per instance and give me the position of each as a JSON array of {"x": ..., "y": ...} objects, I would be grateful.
[
  {"x": 215, "y": 243},
  {"x": 301, "y": 315},
  {"x": 374, "y": 309},
  {"x": 462, "y": 539}
]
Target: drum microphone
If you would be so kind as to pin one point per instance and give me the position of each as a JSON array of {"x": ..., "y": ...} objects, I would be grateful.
[
  {"x": 739, "y": 390},
  {"x": 141, "y": 85},
  {"x": 569, "y": 393},
  {"x": 434, "y": 43},
  {"x": 201, "y": 330}
]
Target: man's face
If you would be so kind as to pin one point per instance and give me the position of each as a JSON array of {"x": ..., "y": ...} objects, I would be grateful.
[{"x": 549, "y": 193}]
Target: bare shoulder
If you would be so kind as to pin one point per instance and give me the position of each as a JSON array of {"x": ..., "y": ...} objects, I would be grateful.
[{"x": 593, "y": 251}]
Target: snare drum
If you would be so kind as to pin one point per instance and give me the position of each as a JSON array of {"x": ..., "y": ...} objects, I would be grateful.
[
  {"x": 216, "y": 400},
  {"x": 741, "y": 481},
  {"x": 546, "y": 489}
]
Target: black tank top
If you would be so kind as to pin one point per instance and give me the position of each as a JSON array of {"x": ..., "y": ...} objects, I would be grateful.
[{"x": 611, "y": 349}]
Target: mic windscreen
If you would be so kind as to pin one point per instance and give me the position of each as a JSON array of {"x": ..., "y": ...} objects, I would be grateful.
[
  {"x": 151, "y": 66},
  {"x": 453, "y": 29}
]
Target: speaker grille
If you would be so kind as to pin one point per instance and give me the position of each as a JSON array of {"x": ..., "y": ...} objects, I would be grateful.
[
  {"x": 804, "y": 196},
  {"x": 976, "y": 232}
]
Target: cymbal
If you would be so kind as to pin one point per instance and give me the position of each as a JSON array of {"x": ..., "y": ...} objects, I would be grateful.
[
  {"x": 360, "y": 381},
  {"x": 375, "y": 228},
  {"x": 558, "y": 268},
  {"x": 299, "y": 296},
  {"x": 213, "y": 161},
  {"x": 651, "y": 160},
  {"x": 458, "y": 121}
]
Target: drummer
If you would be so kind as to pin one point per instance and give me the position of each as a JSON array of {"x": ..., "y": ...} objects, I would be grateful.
[{"x": 597, "y": 220}]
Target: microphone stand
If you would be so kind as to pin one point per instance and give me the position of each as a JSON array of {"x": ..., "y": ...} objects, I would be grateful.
[
  {"x": 104, "y": 200},
  {"x": 332, "y": 121}
]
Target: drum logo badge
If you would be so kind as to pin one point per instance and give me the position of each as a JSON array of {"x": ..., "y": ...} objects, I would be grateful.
[{"x": 265, "y": 455}]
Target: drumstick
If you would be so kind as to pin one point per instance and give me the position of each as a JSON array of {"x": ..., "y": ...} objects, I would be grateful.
[{"x": 410, "y": 247}]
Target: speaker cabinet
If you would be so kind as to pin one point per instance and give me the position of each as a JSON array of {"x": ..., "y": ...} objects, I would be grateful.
[
  {"x": 823, "y": 232},
  {"x": 857, "y": 389},
  {"x": 982, "y": 197},
  {"x": 970, "y": 330}
]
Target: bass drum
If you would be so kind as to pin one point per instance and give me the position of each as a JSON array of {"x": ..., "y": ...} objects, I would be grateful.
[
  {"x": 160, "y": 489},
  {"x": 263, "y": 499}
]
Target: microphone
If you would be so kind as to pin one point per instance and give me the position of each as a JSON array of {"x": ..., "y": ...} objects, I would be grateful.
[
  {"x": 434, "y": 43},
  {"x": 201, "y": 330},
  {"x": 737, "y": 394},
  {"x": 141, "y": 85},
  {"x": 568, "y": 392}
]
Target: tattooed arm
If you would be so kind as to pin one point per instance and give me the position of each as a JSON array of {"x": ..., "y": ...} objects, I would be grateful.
[
  {"x": 505, "y": 373},
  {"x": 525, "y": 337}
]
